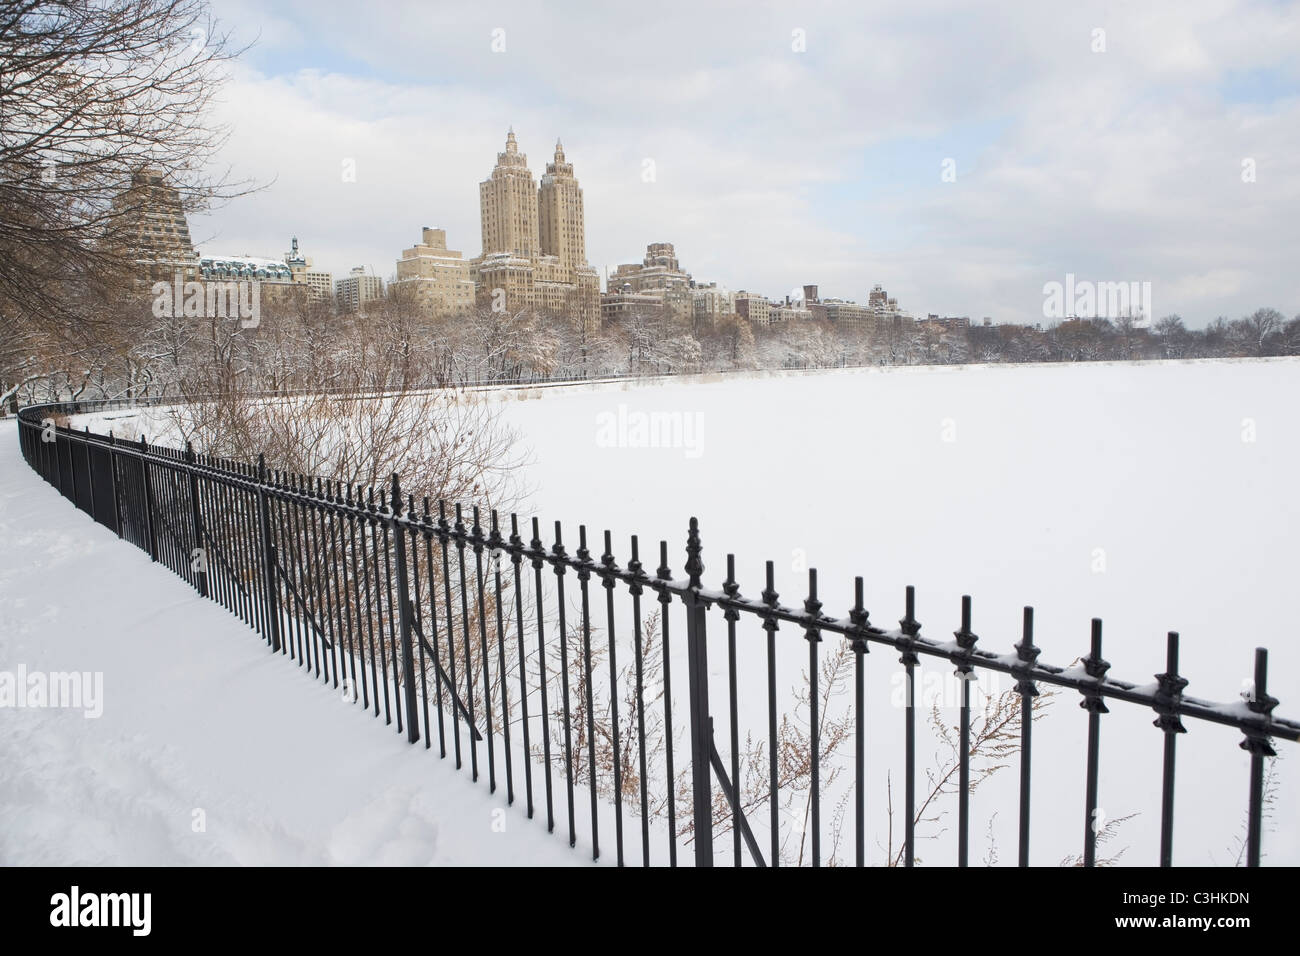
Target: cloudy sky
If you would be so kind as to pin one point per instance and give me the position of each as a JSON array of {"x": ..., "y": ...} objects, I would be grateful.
[{"x": 783, "y": 143}]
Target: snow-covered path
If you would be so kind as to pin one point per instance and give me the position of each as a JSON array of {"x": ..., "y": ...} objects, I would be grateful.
[{"x": 209, "y": 750}]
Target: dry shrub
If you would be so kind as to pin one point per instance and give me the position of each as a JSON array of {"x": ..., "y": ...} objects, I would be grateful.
[{"x": 447, "y": 445}]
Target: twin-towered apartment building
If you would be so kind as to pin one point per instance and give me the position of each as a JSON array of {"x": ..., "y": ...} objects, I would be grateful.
[
  {"x": 534, "y": 248},
  {"x": 534, "y": 257}
]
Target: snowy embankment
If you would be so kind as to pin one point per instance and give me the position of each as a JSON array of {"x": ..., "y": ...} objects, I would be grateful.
[
  {"x": 1157, "y": 496},
  {"x": 208, "y": 750}
]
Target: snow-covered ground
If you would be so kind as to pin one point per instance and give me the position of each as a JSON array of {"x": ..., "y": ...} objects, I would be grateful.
[
  {"x": 1157, "y": 496},
  {"x": 208, "y": 750}
]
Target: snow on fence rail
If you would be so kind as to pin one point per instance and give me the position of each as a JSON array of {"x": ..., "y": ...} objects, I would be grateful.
[{"x": 452, "y": 630}]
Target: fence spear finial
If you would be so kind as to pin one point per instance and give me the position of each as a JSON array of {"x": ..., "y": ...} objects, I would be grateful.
[{"x": 694, "y": 566}]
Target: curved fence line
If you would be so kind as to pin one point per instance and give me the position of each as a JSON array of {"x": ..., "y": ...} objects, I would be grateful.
[{"x": 439, "y": 616}]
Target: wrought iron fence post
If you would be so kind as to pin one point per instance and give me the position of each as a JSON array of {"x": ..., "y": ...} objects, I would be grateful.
[
  {"x": 812, "y": 634},
  {"x": 1258, "y": 745},
  {"x": 268, "y": 555},
  {"x": 57, "y": 457},
  {"x": 72, "y": 467},
  {"x": 90, "y": 475},
  {"x": 697, "y": 657},
  {"x": 1168, "y": 696},
  {"x": 910, "y": 628},
  {"x": 50, "y": 455},
  {"x": 150, "y": 537},
  {"x": 404, "y": 613},
  {"x": 200, "y": 553},
  {"x": 1026, "y": 654},
  {"x": 117, "y": 499},
  {"x": 1095, "y": 705}
]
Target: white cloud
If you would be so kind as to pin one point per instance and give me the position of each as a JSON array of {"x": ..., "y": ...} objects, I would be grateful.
[{"x": 1117, "y": 165}]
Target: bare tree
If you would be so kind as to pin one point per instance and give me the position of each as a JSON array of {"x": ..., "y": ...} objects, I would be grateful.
[
  {"x": 91, "y": 94},
  {"x": 1172, "y": 335},
  {"x": 1257, "y": 329},
  {"x": 1289, "y": 337}
]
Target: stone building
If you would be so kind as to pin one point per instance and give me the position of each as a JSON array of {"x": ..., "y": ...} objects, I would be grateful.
[
  {"x": 659, "y": 275},
  {"x": 150, "y": 226},
  {"x": 754, "y": 308},
  {"x": 352, "y": 292},
  {"x": 436, "y": 278},
  {"x": 710, "y": 302},
  {"x": 320, "y": 285},
  {"x": 624, "y": 303},
  {"x": 534, "y": 239}
]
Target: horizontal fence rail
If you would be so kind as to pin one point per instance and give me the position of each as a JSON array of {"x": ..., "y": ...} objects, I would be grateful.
[{"x": 475, "y": 634}]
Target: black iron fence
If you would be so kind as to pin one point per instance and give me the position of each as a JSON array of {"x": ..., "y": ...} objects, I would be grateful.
[{"x": 472, "y": 631}]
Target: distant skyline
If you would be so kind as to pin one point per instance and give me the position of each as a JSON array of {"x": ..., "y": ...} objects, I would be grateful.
[{"x": 795, "y": 143}]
